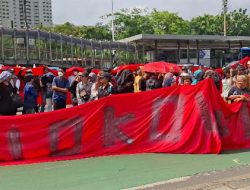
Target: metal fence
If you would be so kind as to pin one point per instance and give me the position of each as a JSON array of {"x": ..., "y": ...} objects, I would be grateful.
[{"x": 28, "y": 47}]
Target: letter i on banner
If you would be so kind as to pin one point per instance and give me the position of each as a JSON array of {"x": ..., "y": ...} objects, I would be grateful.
[{"x": 15, "y": 146}]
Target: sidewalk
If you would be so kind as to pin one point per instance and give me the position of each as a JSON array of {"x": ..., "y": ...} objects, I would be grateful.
[{"x": 231, "y": 179}]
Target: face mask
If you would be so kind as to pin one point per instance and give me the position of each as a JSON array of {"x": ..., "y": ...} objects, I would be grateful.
[{"x": 60, "y": 74}]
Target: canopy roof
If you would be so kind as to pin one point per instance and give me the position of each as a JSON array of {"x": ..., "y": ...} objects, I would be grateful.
[{"x": 182, "y": 41}]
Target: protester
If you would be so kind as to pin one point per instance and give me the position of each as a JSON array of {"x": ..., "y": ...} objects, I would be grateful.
[
  {"x": 151, "y": 82},
  {"x": 60, "y": 87},
  {"x": 7, "y": 106},
  {"x": 125, "y": 82},
  {"x": 89, "y": 70},
  {"x": 169, "y": 80},
  {"x": 248, "y": 67},
  {"x": 106, "y": 87},
  {"x": 46, "y": 88},
  {"x": 142, "y": 82},
  {"x": 183, "y": 76},
  {"x": 22, "y": 81},
  {"x": 137, "y": 77},
  {"x": 198, "y": 75},
  {"x": 72, "y": 89},
  {"x": 186, "y": 80},
  {"x": 248, "y": 73},
  {"x": 15, "y": 82},
  {"x": 88, "y": 86},
  {"x": 94, "y": 89},
  {"x": 92, "y": 77},
  {"x": 72, "y": 77},
  {"x": 30, "y": 96},
  {"x": 214, "y": 76},
  {"x": 83, "y": 89},
  {"x": 239, "y": 92},
  {"x": 226, "y": 82}
]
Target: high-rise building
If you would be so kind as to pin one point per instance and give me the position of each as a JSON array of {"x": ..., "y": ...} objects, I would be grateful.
[{"x": 25, "y": 13}]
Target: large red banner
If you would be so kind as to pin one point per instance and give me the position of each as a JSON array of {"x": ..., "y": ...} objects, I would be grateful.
[{"x": 183, "y": 119}]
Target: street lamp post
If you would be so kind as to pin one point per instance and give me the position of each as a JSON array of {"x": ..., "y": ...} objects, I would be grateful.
[
  {"x": 112, "y": 27},
  {"x": 25, "y": 13},
  {"x": 225, "y": 9}
]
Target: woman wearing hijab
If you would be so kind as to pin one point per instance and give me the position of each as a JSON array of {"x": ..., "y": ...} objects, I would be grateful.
[
  {"x": 7, "y": 106},
  {"x": 125, "y": 82}
]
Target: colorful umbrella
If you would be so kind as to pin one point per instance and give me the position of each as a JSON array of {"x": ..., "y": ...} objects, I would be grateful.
[
  {"x": 71, "y": 69},
  {"x": 161, "y": 67},
  {"x": 131, "y": 67},
  {"x": 244, "y": 61}
]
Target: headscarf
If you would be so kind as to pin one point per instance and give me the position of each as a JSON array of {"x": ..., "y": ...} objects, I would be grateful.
[
  {"x": 93, "y": 77},
  {"x": 5, "y": 75},
  {"x": 213, "y": 75},
  {"x": 125, "y": 76},
  {"x": 168, "y": 79}
]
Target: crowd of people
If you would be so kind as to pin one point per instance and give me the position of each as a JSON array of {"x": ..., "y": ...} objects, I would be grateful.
[{"x": 83, "y": 87}]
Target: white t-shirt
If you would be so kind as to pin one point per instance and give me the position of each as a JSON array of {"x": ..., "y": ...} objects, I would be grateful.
[{"x": 226, "y": 86}]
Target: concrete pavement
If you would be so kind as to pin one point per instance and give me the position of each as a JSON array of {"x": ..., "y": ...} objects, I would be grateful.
[{"x": 237, "y": 178}]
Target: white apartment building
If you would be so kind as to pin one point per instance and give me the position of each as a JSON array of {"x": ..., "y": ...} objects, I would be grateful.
[{"x": 19, "y": 13}]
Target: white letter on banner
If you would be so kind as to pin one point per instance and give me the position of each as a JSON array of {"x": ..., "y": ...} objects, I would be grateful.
[
  {"x": 174, "y": 134},
  {"x": 112, "y": 132},
  {"x": 15, "y": 145},
  {"x": 77, "y": 125}
]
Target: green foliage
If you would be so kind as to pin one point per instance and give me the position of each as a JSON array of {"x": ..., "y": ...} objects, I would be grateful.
[
  {"x": 207, "y": 25},
  {"x": 99, "y": 32},
  {"x": 131, "y": 22},
  {"x": 168, "y": 23},
  {"x": 238, "y": 23}
]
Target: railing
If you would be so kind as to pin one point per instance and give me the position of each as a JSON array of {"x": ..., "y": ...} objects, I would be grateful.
[{"x": 20, "y": 46}]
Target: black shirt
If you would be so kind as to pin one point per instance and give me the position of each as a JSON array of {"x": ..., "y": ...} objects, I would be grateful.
[
  {"x": 236, "y": 91},
  {"x": 6, "y": 103}
]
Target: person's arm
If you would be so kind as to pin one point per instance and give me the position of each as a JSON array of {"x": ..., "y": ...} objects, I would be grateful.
[
  {"x": 65, "y": 90},
  {"x": 231, "y": 77},
  {"x": 41, "y": 83},
  {"x": 234, "y": 97},
  {"x": 242, "y": 98},
  {"x": 55, "y": 88}
]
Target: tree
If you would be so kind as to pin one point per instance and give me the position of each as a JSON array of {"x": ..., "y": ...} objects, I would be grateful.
[
  {"x": 238, "y": 23},
  {"x": 207, "y": 25},
  {"x": 99, "y": 31},
  {"x": 168, "y": 23},
  {"x": 131, "y": 22}
]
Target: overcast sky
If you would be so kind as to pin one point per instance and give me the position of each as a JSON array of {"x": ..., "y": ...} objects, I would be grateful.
[{"x": 88, "y": 12}]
